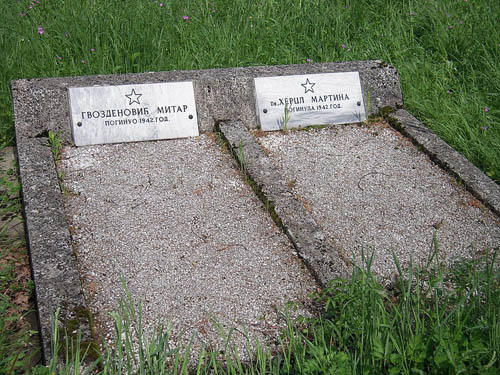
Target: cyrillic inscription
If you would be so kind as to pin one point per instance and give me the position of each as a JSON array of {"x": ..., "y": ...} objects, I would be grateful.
[
  {"x": 312, "y": 99},
  {"x": 127, "y": 113}
]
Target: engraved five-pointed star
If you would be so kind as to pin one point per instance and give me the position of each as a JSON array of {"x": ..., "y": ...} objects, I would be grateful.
[
  {"x": 133, "y": 97},
  {"x": 308, "y": 86}
]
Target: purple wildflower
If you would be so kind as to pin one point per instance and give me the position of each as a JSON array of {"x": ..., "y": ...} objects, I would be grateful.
[
  {"x": 185, "y": 18},
  {"x": 40, "y": 30}
]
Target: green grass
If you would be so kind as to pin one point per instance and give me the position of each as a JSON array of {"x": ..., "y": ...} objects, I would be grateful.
[
  {"x": 16, "y": 344},
  {"x": 15, "y": 349},
  {"x": 447, "y": 53},
  {"x": 432, "y": 321}
]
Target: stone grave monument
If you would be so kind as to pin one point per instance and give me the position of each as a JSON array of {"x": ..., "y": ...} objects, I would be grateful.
[{"x": 217, "y": 196}]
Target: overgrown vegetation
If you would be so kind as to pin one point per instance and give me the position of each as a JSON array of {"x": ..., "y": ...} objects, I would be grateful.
[
  {"x": 55, "y": 143},
  {"x": 433, "y": 321},
  {"x": 16, "y": 334},
  {"x": 447, "y": 54}
]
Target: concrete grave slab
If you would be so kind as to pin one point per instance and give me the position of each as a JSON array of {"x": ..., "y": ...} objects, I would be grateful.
[
  {"x": 371, "y": 190},
  {"x": 177, "y": 222},
  {"x": 345, "y": 191},
  {"x": 176, "y": 216},
  {"x": 42, "y": 106}
]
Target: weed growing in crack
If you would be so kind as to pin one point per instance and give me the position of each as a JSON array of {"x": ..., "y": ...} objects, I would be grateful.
[
  {"x": 241, "y": 157},
  {"x": 55, "y": 144},
  {"x": 286, "y": 119}
]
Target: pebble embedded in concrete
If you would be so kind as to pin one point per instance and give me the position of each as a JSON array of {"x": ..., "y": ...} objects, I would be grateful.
[
  {"x": 177, "y": 221},
  {"x": 369, "y": 188}
]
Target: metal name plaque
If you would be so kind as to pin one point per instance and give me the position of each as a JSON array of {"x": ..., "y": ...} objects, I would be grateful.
[
  {"x": 129, "y": 113},
  {"x": 311, "y": 99}
]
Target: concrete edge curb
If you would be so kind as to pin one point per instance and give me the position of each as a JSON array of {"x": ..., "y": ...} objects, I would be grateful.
[
  {"x": 476, "y": 182},
  {"x": 53, "y": 264},
  {"x": 325, "y": 260}
]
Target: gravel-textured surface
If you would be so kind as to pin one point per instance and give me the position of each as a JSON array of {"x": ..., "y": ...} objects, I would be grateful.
[
  {"x": 323, "y": 258},
  {"x": 42, "y": 105},
  {"x": 178, "y": 222},
  {"x": 369, "y": 188},
  {"x": 474, "y": 179}
]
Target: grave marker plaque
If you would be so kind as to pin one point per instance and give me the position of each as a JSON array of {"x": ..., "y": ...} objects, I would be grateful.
[
  {"x": 128, "y": 113},
  {"x": 310, "y": 99}
]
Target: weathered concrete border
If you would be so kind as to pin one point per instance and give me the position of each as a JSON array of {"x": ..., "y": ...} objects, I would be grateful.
[
  {"x": 324, "y": 259},
  {"x": 42, "y": 105},
  {"x": 480, "y": 185},
  {"x": 53, "y": 263},
  {"x": 222, "y": 96}
]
